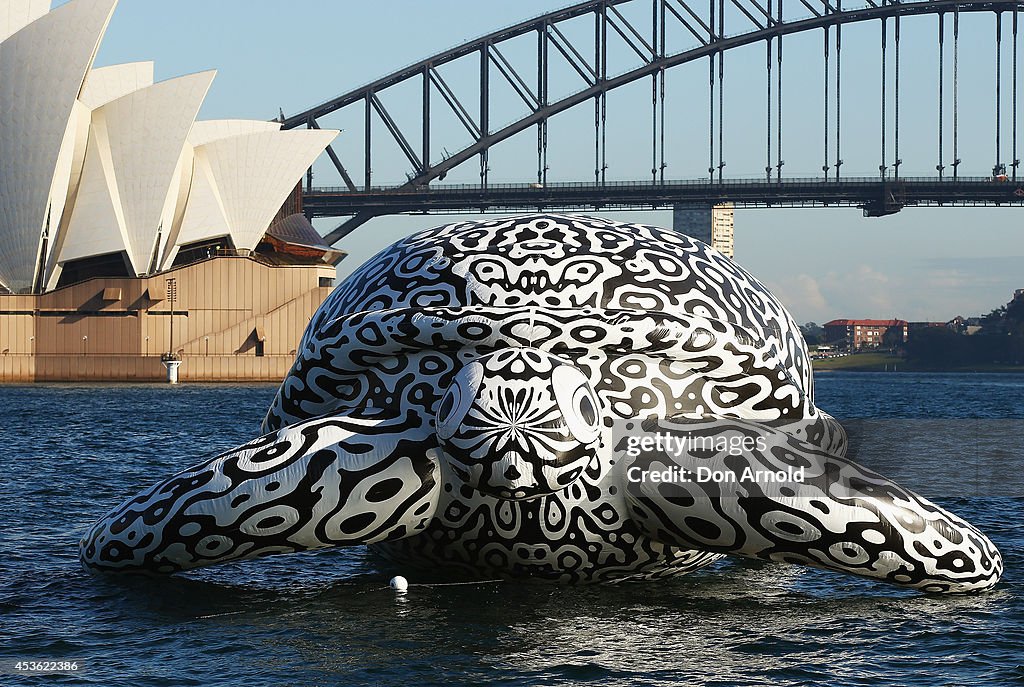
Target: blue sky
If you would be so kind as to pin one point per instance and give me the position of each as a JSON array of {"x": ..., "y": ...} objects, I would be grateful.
[{"x": 824, "y": 263}]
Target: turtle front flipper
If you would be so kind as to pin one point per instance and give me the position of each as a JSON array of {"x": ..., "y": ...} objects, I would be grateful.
[
  {"x": 354, "y": 478},
  {"x": 738, "y": 487}
]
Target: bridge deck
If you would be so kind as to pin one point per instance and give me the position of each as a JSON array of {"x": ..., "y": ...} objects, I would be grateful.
[{"x": 876, "y": 196}]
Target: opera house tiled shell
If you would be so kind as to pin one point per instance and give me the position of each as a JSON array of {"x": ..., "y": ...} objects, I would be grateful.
[{"x": 104, "y": 166}]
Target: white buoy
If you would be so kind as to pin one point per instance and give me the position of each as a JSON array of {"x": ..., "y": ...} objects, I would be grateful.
[{"x": 399, "y": 583}]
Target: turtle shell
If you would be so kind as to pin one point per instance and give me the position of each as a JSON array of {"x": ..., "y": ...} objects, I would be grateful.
[{"x": 569, "y": 262}]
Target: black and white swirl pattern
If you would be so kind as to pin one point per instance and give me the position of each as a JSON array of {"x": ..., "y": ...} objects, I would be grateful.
[
  {"x": 453, "y": 402},
  {"x": 840, "y": 516},
  {"x": 362, "y": 478}
]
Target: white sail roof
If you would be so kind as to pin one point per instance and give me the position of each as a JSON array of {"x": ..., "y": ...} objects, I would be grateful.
[
  {"x": 134, "y": 154},
  {"x": 105, "y": 84},
  {"x": 42, "y": 68},
  {"x": 241, "y": 182},
  {"x": 68, "y": 176},
  {"x": 104, "y": 160},
  {"x": 211, "y": 130},
  {"x": 17, "y": 14},
  {"x": 102, "y": 85},
  {"x": 96, "y": 223},
  {"x": 205, "y": 216}
]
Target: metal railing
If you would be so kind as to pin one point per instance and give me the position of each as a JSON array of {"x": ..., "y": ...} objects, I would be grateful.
[{"x": 403, "y": 189}]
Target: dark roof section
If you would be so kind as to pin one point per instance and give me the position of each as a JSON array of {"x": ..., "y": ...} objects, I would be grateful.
[{"x": 296, "y": 231}]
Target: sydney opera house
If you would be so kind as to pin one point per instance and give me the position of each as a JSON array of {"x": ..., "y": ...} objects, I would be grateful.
[{"x": 129, "y": 230}]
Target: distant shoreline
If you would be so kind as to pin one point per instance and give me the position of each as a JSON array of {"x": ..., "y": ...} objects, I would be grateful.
[{"x": 886, "y": 362}]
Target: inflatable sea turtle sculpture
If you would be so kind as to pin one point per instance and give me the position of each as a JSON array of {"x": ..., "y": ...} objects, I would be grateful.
[{"x": 538, "y": 397}]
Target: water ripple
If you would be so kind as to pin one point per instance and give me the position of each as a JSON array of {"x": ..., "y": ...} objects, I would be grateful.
[{"x": 328, "y": 618}]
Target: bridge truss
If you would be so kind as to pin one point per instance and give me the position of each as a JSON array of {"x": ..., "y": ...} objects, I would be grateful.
[{"x": 651, "y": 55}]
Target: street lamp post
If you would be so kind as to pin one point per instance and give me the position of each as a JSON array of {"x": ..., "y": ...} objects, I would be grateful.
[
  {"x": 170, "y": 359},
  {"x": 172, "y": 295}
]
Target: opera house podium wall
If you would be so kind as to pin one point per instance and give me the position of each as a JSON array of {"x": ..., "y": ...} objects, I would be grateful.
[{"x": 236, "y": 319}]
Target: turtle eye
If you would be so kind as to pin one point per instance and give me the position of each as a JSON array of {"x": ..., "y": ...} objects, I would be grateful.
[
  {"x": 578, "y": 403},
  {"x": 448, "y": 403},
  {"x": 457, "y": 400}
]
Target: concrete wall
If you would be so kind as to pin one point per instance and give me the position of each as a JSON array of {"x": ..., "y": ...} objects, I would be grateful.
[{"x": 116, "y": 329}]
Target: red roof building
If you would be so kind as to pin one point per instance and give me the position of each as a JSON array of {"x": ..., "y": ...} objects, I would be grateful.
[{"x": 867, "y": 333}]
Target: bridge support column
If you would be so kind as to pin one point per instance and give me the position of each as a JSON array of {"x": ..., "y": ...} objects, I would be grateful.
[{"x": 712, "y": 224}]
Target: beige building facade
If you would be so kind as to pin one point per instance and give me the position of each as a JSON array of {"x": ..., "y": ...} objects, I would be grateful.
[
  {"x": 236, "y": 319},
  {"x": 714, "y": 225}
]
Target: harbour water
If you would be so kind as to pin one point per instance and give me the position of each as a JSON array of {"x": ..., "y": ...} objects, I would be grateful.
[{"x": 69, "y": 453}]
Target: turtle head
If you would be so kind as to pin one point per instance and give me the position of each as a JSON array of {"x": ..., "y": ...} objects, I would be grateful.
[{"x": 519, "y": 423}]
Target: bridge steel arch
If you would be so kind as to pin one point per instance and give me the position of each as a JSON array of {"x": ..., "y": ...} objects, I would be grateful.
[{"x": 704, "y": 21}]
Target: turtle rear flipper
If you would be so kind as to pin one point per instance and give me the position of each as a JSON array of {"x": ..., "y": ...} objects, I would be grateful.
[{"x": 739, "y": 487}]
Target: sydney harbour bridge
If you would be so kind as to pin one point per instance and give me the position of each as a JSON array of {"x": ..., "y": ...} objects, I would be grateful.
[{"x": 514, "y": 84}]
